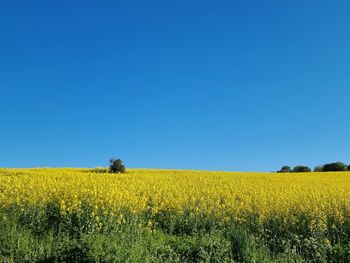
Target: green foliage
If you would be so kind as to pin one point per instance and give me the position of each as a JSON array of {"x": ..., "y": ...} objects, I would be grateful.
[
  {"x": 98, "y": 170},
  {"x": 301, "y": 169},
  {"x": 116, "y": 166},
  {"x": 337, "y": 166},
  {"x": 340, "y": 253},
  {"x": 329, "y": 167},
  {"x": 318, "y": 168},
  {"x": 285, "y": 169},
  {"x": 171, "y": 238}
]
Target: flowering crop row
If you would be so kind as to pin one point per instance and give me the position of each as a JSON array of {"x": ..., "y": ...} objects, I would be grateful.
[{"x": 226, "y": 195}]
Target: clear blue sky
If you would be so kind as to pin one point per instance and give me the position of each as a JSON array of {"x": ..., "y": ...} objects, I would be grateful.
[{"x": 223, "y": 85}]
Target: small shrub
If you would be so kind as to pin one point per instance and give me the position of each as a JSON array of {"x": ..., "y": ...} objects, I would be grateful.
[
  {"x": 98, "y": 170},
  {"x": 116, "y": 166}
]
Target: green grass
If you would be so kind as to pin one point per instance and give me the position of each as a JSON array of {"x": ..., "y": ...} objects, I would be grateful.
[
  {"x": 129, "y": 244},
  {"x": 36, "y": 235}
]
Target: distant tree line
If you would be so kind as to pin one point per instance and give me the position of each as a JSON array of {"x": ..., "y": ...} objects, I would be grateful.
[{"x": 329, "y": 167}]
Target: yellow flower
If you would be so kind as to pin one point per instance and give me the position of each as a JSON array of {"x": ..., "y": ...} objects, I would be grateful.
[{"x": 226, "y": 195}]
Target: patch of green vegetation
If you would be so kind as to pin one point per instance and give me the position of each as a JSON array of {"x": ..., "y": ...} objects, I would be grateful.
[{"x": 45, "y": 236}]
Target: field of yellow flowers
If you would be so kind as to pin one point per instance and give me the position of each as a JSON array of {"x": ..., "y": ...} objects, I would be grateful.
[{"x": 303, "y": 215}]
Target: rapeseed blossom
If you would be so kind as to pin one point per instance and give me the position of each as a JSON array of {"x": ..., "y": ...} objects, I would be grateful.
[{"x": 225, "y": 195}]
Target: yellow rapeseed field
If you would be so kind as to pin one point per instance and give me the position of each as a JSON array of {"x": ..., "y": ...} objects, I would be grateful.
[{"x": 226, "y": 195}]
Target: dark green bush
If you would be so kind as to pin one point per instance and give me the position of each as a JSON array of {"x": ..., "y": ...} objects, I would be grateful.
[
  {"x": 285, "y": 169},
  {"x": 116, "y": 166},
  {"x": 301, "y": 169},
  {"x": 333, "y": 167}
]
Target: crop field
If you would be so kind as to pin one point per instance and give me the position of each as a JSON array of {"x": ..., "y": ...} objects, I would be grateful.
[{"x": 148, "y": 215}]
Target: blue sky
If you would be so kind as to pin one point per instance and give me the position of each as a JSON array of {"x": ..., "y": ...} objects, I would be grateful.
[{"x": 219, "y": 85}]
